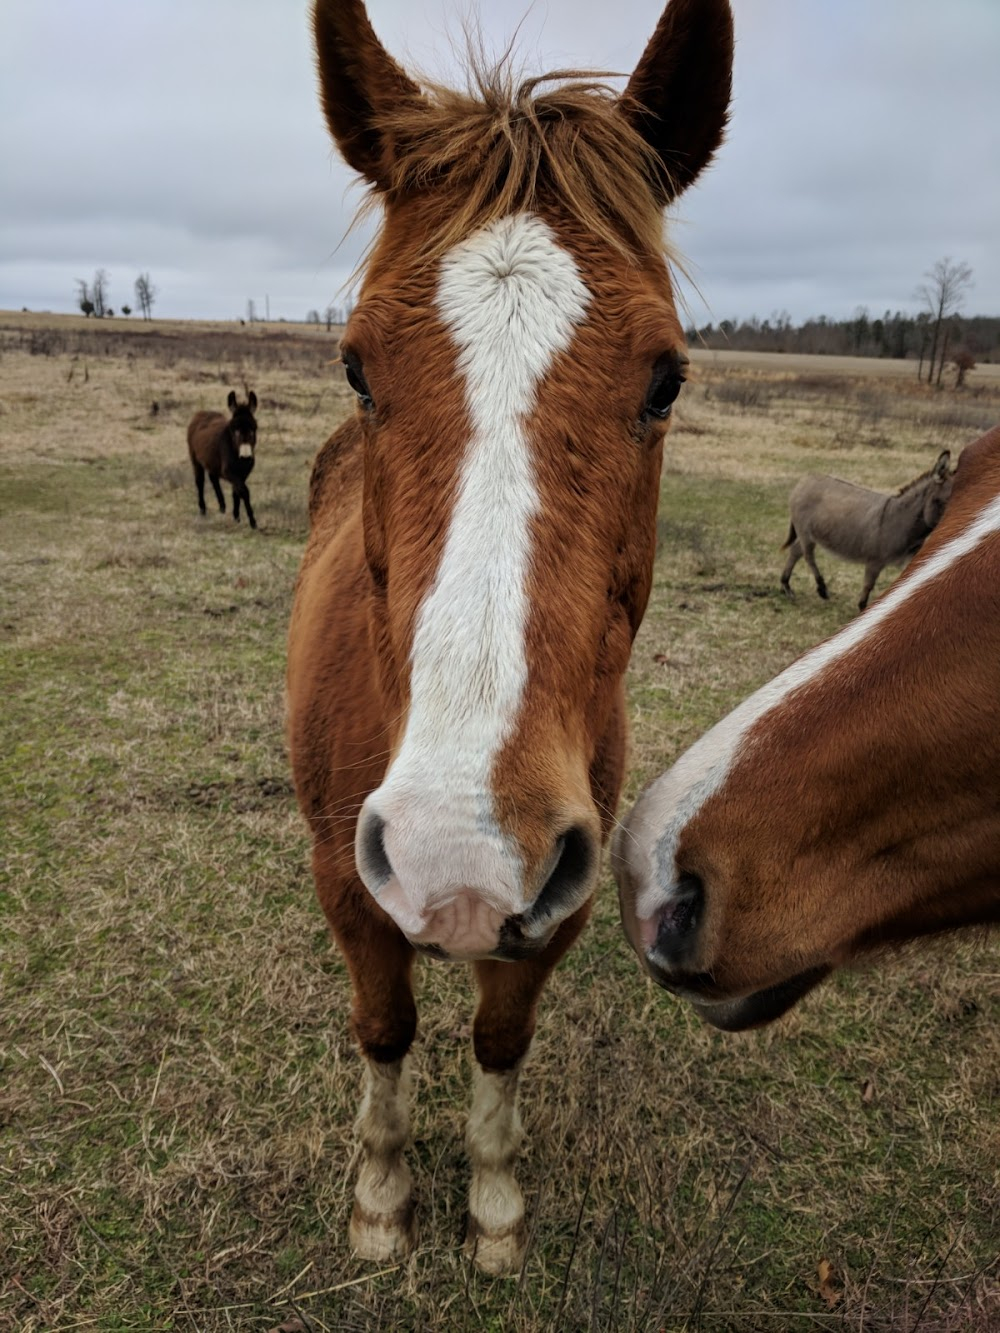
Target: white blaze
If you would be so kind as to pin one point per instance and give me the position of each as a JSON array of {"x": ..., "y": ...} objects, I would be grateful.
[
  {"x": 677, "y": 795},
  {"x": 511, "y": 299}
]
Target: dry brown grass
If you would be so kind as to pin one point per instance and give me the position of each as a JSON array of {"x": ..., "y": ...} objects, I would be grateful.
[
  {"x": 985, "y": 376},
  {"x": 176, "y": 1082}
]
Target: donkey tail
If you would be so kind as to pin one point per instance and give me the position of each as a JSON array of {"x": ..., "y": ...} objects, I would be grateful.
[{"x": 790, "y": 538}]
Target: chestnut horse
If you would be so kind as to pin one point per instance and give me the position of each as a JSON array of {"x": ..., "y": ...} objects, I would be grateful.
[
  {"x": 853, "y": 802},
  {"x": 482, "y": 535}
]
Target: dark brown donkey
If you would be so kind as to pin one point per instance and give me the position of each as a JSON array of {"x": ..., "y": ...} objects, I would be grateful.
[
  {"x": 482, "y": 534},
  {"x": 225, "y": 448}
]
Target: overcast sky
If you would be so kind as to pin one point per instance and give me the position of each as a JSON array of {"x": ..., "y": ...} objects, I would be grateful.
[{"x": 184, "y": 138}]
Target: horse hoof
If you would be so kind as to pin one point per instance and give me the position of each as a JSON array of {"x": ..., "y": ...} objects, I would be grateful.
[
  {"x": 386, "y": 1237},
  {"x": 822, "y": 592},
  {"x": 500, "y": 1254},
  {"x": 788, "y": 592}
]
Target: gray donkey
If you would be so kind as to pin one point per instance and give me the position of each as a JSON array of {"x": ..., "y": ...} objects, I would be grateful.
[{"x": 866, "y": 526}]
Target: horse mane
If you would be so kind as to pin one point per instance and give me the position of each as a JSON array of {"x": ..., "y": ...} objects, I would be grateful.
[{"x": 506, "y": 145}]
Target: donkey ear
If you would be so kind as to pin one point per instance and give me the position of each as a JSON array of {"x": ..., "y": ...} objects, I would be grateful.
[
  {"x": 231, "y": 400},
  {"x": 252, "y": 401},
  {"x": 358, "y": 80},
  {"x": 678, "y": 97},
  {"x": 941, "y": 466}
]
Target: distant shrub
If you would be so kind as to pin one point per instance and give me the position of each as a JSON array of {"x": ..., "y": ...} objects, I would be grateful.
[{"x": 741, "y": 393}]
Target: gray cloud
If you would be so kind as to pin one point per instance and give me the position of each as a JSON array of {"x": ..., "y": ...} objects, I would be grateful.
[{"x": 184, "y": 137}]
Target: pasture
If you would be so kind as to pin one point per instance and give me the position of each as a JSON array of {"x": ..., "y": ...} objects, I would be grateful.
[{"x": 177, "y": 1081}]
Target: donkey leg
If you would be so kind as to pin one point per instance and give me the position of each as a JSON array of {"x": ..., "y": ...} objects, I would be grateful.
[
  {"x": 236, "y": 504},
  {"x": 809, "y": 555},
  {"x": 218, "y": 492},
  {"x": 199, "y": 481},
  {"x": 504, "y": 1025},
  {"x": 794, "y": 556},
  {"x": 384, "y": 1020},
  {"x": 872, "y": 570},
  {"x": 244, "y": 495}
]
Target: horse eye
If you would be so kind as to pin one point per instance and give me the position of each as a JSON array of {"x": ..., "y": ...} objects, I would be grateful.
[
  {"x": 663, "y": 391},
  {"x": 356, "y": 379}
]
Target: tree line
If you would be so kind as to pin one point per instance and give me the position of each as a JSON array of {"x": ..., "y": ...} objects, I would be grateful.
[
  {"x": 935, "y": 337},
  {"x": 92, "y": 297}
]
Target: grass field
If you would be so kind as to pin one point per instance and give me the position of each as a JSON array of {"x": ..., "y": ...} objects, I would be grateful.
[{"x": 177, "y": 1084}]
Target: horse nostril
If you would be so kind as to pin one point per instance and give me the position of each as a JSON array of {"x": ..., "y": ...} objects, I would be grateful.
[
  {"x": 575, "y": 857},
  {"x": 373, "y": 860},
  {"x": 679, "y": 921}
]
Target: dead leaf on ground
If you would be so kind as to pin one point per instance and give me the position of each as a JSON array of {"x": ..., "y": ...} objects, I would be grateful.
[
  {"x": 827, "y": 1275},
  {"x": 293, "y": 1324},
  {"x": 867, "y": 1091}
]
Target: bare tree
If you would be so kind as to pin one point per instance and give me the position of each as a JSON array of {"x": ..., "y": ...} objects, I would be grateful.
[
  {"x": 313, "y": 317},
  {"x": 251, "y": 311},
  {"x": 99, "y": 292},
  {"x": 145, "y": 295},
  {"x": 943, "y": 293},
  {"x": 83, "y": 297}
]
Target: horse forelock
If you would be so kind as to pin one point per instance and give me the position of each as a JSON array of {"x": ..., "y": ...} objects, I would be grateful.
[{"x": 506, "y": 146}]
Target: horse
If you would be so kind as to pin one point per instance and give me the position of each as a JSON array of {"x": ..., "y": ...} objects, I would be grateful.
[
  {"x": 481, "y": 545},
  {"x": 859, "y": 524},
  {"x": 850, "y": 804},
  {"x": 225, "y": 447}
]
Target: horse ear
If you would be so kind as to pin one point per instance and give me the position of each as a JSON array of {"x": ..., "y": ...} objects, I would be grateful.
[
  {"x": 231, "y": 400},
  {"x": 358, "y": 81},
  {"x": 678, "y": 97},
  {"x": 941, "y": 466},
  {"x": 252, "y": 400}
]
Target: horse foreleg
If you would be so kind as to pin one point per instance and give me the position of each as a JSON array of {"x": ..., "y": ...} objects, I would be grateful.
[
  {"x": 502, "y": 1033},
  {"x": 383, "y": 1220},
  {"x": 384, "y": 1020}
]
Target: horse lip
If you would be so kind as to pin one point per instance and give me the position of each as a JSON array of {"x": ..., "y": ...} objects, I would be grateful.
[
  {"x": 432, "y": 951},
  {"x": 515, "y": 944},
  {"x": 760, "y": 1007},
  {"x": 508, "y": 951}
]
